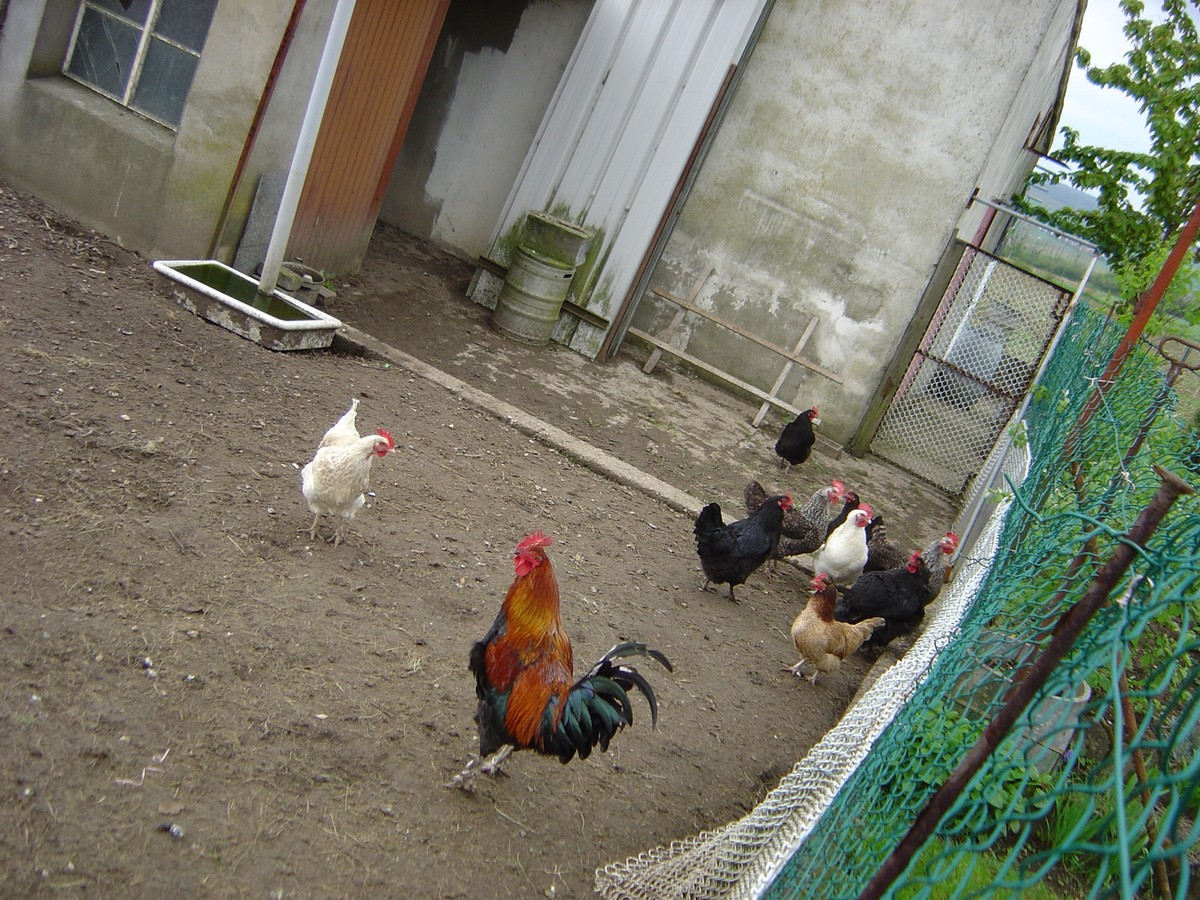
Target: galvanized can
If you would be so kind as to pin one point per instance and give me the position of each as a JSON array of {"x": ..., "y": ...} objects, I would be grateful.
[{"x": 532, "y": 297}]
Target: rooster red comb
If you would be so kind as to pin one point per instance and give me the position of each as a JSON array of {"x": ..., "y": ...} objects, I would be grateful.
[
  {"x": 535, "y": 539},
  {"x": 914, "y": 562},
  {"x": 820, "y": 582},
  {"x": 526, "y": 559},
  {"x": 387, "y": 436},
  {"x": 950, "y": 542}
]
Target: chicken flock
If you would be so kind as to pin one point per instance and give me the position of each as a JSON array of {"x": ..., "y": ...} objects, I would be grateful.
[
  {"x": 527, "y": 694},
  {"x": 865, "y": 590}
]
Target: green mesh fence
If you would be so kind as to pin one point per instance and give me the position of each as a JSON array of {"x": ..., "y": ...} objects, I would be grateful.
[{"x": 1096, "y": 790}]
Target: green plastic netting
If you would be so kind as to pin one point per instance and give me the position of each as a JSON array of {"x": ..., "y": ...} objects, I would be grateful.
[{"x": 1096, "y": 790}]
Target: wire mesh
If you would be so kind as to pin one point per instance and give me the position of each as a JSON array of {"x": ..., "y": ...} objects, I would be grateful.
[
  {"x": 1096, "y": 791},
  {"x": 972, "y": 370}
]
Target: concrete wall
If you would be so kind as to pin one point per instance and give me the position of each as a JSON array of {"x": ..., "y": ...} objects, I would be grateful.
[
  {"x": 162, "y": 192},
  {"x": 1033, "y": 118},
  {"x": 846, "y": 161},
  {"x": 488, "y": 86},
  {"x": 151, "y": 189}
]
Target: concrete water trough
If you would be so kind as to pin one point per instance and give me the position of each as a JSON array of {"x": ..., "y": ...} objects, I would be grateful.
[{"x": 227, "y": 297}]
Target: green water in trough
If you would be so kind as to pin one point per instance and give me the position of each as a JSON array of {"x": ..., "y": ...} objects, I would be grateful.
[{"x": 233, "y": 284}]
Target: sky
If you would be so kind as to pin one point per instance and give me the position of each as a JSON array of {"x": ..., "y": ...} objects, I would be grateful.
[{"x": 1104, "y": 117}]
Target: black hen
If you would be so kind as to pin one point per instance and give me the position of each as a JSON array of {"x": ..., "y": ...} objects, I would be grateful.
[
  {"x": 898, "y": 596},
  {"x": 797, "y": 438},
  {"x": 729, "y": 554},
  {"x": 851, "y": 502},
  {"x": 804, "y": 526}
]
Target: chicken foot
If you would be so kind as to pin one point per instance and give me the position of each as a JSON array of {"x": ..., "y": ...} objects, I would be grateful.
[
  {"x": 712, "y": 590},
  {"x": 491, "y": 766},
  {"x": 796, "y": 670}
]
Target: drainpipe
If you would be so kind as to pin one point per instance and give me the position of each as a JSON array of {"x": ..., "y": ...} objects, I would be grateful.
[{"x": 302, "y": 156}]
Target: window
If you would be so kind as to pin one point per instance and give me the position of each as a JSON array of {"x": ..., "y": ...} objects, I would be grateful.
[{"x": 141, "y": 53}]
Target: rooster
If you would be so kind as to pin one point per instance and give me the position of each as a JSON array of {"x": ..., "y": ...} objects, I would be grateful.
[
  {"x": 335, "y": 481},
  {"x": 844, "y": 552},
  {"x": 897, "y": 595},
  {"x": 822, "y": 641},
  {"x": 804, "y": 527},
  {"x": 797, "y": 438},
  {"x": 729, "y": 554},
  {"x": 528, "y": 696}
]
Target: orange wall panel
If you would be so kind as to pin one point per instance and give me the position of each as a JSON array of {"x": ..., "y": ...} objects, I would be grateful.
[{"x": 386, "y": 54}]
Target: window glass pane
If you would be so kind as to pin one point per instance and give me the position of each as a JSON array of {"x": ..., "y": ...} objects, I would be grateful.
[
  {"x": 186, "y": 21},
  {"x": 104, "y": 52},
  {"x": 163, "y": 86},
  {"x": 137, "y": 11}
]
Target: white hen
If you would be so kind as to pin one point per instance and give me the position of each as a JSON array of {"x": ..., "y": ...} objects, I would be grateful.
[
  {"x": 335, "y": 482},
  {"x": 344, "y": 431},
  {"x": 844, "y": 552}
]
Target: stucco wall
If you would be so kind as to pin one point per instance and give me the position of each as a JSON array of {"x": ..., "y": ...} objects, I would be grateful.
[
  {"x": 151, "y": 189},
  {"x": 490, "y": 80},
  {"x": 848, "y": 155}
]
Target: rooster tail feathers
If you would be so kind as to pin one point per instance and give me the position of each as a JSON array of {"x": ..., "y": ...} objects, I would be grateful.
[
  {"x": 634, "y": 648},
  {"x": 598, "y": 706},
  {"x": 624, "y": 678}
]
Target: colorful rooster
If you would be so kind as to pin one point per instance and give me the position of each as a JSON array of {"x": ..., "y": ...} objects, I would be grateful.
[{"x": 523, "y": 667}]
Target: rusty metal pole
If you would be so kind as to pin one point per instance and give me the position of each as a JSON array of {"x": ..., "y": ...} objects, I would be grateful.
[
  {"x": 1146, "y": 304},
  {"x": 1070, "y": 626},
  {"x": 1178, "y": 360}
]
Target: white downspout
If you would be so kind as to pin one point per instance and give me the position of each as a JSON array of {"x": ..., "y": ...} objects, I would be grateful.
[{"x": 286, "y": 217}]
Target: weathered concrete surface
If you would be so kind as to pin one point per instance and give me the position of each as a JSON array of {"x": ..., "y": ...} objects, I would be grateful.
[{"x": 674, "y": 435}]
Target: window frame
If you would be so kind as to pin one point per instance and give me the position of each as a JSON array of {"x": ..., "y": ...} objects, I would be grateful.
[{"x": 147, "y": 34}]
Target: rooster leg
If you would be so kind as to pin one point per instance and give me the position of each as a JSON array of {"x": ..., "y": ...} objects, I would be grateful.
[
  {"x": 312, "y": 532},
  {"x": 339, "y": 533},
  {"x": 492, "y": 766},
  {"x": 466, "y": 778},
  {"x": 731, "y": 596},
  {"x": 707, "y": 582}
]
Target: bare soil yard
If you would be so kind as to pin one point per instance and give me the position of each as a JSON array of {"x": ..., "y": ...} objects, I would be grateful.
[{"x": 198, "y": 700}]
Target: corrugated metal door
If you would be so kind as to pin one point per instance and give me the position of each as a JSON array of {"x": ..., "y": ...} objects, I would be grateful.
[
  {"x": 972, "y": 369},
  {"x": 384, "y": 60}
]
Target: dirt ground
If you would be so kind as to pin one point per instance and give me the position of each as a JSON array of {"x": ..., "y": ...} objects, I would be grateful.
[{"x": 198, "y": 700}]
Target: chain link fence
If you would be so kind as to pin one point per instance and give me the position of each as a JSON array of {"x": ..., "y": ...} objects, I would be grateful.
[{"x": 971, "y": 370}]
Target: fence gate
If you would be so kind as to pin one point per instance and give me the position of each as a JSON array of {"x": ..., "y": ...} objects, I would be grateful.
[{"x": 971, "y": 370}]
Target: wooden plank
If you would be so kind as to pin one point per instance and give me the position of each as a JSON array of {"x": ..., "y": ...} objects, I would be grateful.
[
  {"x": 786, "y": 370},
  {"x": 713, "y": 370},
  {"x": 679, "y": 315},
  {"x": 774, "y": 348},
  {"x": 667, "y": 334},
  {"x": 832, "y": 448}
]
